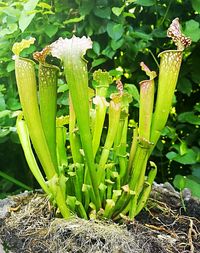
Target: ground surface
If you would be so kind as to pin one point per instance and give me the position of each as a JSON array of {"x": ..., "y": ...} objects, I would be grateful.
[{"x": 170, "y": 223}]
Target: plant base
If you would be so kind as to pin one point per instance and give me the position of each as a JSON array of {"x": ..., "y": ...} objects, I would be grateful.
[{"x": 28, "y": 223}]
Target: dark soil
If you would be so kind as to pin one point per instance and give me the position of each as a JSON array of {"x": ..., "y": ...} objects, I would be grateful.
[{"x": 170, "y": 223}]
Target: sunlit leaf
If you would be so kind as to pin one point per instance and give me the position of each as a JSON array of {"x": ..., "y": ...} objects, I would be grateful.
[
  {"x": 73, "y": 20},
  {"x": 118, "y": 10},
  {"x": 25, "y": 17},
  {"x": 19, "y": 46},
  {"x": 44, "y": 5},
  {"x": 188, "y": 158}
]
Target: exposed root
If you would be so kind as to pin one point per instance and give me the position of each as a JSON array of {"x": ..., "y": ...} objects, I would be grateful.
[
  {"x": 32, "y": 227},
  {"x": 191, "y": 233}
]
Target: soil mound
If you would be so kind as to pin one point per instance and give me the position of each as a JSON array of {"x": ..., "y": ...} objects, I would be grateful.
[{"x": 170, "y": 223}]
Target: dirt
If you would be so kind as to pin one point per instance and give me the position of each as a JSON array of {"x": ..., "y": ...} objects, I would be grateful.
[{"x": 169, "y": 224}]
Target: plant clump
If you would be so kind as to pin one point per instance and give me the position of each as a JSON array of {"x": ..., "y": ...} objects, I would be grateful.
[{"x": 101, "y": 175}]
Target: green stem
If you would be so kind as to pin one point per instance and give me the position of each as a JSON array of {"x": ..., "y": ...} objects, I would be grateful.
[
  {"x": 110, "y": 204},
  {"x": 132, "y": 150},
  {"x": 102, "y": 80},
  {"x": 75, "y": 143},
  {"x": 81, "y": 210},
  {"x": 26, "y": 82},
  {"x": 122, "y": 154},
  {"x": 100, "y": 113},
  {"x": 146, "y": 103},
  {"x": 168, "y": 75},
  {"x": 114, "y": 118},
  {"x": 61, "y": 150},
  {"x": 22, "y": 131},
  {"x": 48, "y": 75},
  {"x": 138, "y": 188},
  {"x": 71, "y": 52},
  {"x": 15, "y": 181},
  {"x": 79, "y": 180},
  {"x": 147, "y": 188}
]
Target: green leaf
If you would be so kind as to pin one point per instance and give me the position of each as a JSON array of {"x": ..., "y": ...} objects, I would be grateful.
[
  {"x": 191, "y": 182},
  {"x": 179, "y": 182},
  {"x": 116, "y": 73},
  {"x": 63, "y": 100},
  {"x": 196, "y": 5},
  {"x": 189, "y": 117},
  {"x": 11, "y": 66},
  {"x": 183, "y": 148},
  {"x": 74, "y": 20},
  {"x": 109, "y": 52},
  {"x": 170, "y": 132},
  {"x": 2, "y": 102},
  {"x": 11, "y": 28},
  {"x": 132, "y": 89},
  {"x": 96, "y": 47},
  {"x": 192, "y": 30},
  {"x": 4, "y": 113},
  {"x": 196, "y": 170},
  {"x": 26, "y": 18},
  {"x": 171, "y": 155},
  {"x": 12, "y": 12},
  {"x": 197, "y": 107},
  {"x": 97, "y": 62},
  {"x": 115, "y": 31},
  {"x": 13, "y": 104},
  {"x": 146, "y": 2},
  {"x": 44, "y": 5},
  {"x": 118, "y": 10},
  {"x": 159, "y": 33},
  {"x": 50, "y": 30},
  {"x": 188, "y": 158},
  {"x": 185, "y": 86},
  {"x": 86, "y": 7},
  {"x": 64, "y": 87},
  {"x": 4, "y": 132},
  {"x": 141, "y": 35},
  {"x": 102, "y": 12},
  {"x": 115, "y": 44}
]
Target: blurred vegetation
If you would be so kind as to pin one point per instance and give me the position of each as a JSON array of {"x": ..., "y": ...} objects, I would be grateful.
[{"x": 124, "y": 33}]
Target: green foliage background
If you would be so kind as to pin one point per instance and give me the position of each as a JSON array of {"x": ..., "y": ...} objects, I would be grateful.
[{"x": 124, "y": 33}]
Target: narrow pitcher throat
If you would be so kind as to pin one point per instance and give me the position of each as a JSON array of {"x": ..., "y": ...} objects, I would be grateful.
[
  {"x": 171, "y": 60},
  {"x": 171, "y": 54},
  {"x": 24, "y": 60}
]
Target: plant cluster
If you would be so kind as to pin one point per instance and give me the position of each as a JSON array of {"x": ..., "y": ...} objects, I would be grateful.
[{"x": 100, "y": 175}]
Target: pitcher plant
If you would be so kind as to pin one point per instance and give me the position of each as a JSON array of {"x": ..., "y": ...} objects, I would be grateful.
[{"x": 101, "y": 174}]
